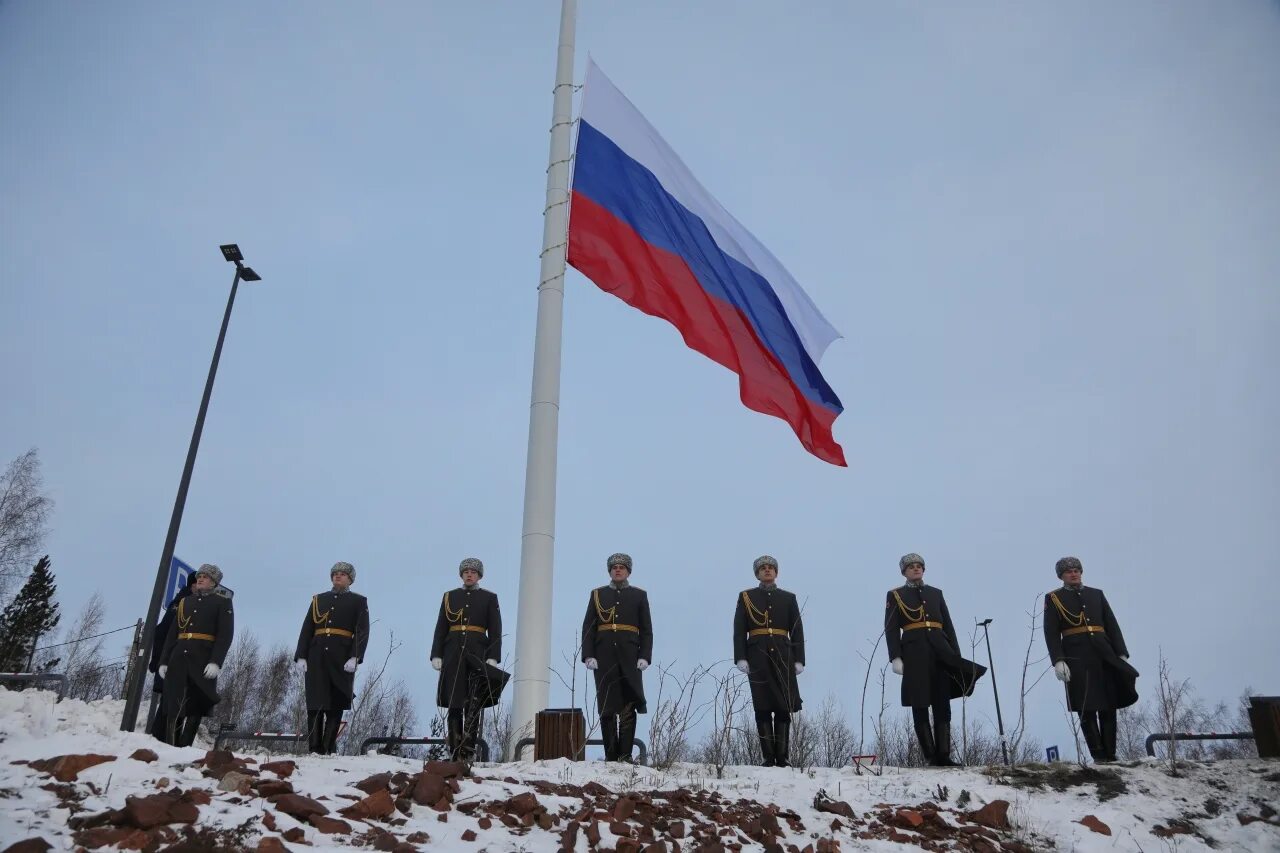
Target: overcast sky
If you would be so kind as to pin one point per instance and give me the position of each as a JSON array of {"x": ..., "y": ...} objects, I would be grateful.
[{"x": 1047, "y": 233}]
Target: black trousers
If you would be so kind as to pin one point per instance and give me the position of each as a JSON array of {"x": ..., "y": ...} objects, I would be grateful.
[
  {"x": 935, "y": 740},
  {"x": 322, "y": 731},
  {"x": 941, "y": 713},
  {"x": 464, "y": 723},
  {"x": 774, "y": 729},
  {"x": 177, "y": 726},
  {"x": 618, "y": 731},
  {"x": 1099, "y": 730}
]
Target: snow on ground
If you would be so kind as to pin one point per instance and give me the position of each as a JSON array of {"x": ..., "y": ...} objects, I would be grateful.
[{"x": 1211, "y": 806}]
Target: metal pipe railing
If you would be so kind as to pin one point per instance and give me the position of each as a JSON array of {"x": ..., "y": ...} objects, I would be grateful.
[
  {"x": 482, "y": 746},
  {"x": 1151, "y": 739},
  {"x": 228, "y": 734},
  {"x": 36, "y": 678},
  {"x": 643, "y": 757}
]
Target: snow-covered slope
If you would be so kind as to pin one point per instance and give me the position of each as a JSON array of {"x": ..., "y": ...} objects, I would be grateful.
[{"x": 188, "y": 798}]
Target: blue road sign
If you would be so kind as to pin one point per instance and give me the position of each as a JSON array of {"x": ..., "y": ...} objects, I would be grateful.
[
  {"x": 1051, "y": 754},
  {"x": 178, "y": 574}
]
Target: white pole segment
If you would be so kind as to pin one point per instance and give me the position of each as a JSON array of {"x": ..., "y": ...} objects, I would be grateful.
[{"x": 537, "y": 547}]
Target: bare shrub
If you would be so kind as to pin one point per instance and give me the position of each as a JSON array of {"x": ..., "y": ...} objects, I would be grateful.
[
  {"x": 676, "y": 712},
  {"x": 731, "y": 740}
]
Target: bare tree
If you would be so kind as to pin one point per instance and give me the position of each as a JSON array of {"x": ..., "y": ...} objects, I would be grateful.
[
  {"x": 822, "y": 738},
  {"x": 89, "y": 676},
  {"x": 1033, "y": 672},
  {"x": 381, "y": 707},
  {"x": 499, "y": 731},
  {"x": 676, "y": 712},
  {"x": 590, "y": 712},
  {"x": 1171, "y": 694},
  {"x": 869, "y": 657},
  {"x": 730, "y": 740},
  {"x": 24, "y": 515},
  {"x": 238, "y": 682}
]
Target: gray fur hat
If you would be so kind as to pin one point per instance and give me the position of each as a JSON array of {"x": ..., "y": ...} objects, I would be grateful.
[
  {"x": 618, "y": 559},
  {"x": 346, "y": 568},
  {"x": 1066, "y": 564},
  {"x": 908, "y": 559},
  {"x": 472, "y": 563},
  {"x": 762, "y": 561},
  {"x": 212, "y": 571}
]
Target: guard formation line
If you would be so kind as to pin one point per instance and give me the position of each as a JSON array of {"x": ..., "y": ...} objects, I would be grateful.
[{"x": 1081, "y": 632}]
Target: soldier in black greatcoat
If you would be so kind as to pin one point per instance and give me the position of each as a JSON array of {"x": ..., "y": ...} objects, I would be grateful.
[
  {"x": 1089, "y": 654},
  {"x": 768, "y": 645},
  {"x": 159, "y": 726},
  {"x": 335, "y": 633},
  {"x": 465, "y": 651},
  {"x": 924, "y": 650},
  {"x": 194, "y": 649},
  {"x": 617, "y": 643}
]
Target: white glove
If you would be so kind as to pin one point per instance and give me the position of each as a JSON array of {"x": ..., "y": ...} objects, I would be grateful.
[
  {"x": 437, "y": 663},
  {"x": 897, "y": 666},
  {"x": 1061, "y": 670},
  {"x": 491, "y": 662},
  {"x": 590, "y": 663},
  {"x": 642, "y": 665},
  {"x": 212, "y": 670},
  {"x": 162, "y": 670},
  {"x": 745, "y": 667},
  {"x": 350, "y": 665},
  {"x": 1124, "y": 658},
  {"x": 302, "y": 666},
  {"x": 799, "y": 668}
]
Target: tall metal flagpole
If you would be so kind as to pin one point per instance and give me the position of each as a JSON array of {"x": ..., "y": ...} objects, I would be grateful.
[{"x": 537, "y": 547}]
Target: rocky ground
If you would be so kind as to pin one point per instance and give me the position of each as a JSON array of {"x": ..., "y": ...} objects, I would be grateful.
[{"x": 68, "y": 780}]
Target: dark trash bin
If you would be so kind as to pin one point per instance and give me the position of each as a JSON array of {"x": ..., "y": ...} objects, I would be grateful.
[
  {"x": 559, "y": 733},
  {"x": 1264, "y": 716}
]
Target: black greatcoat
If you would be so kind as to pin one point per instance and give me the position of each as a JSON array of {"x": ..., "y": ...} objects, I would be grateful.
[
  {"x": 465, "y": 651},
  {"x": 932, "y": 668},
  {"x": 186, "y": 691},
  {"x": 619, "y": 681},
  {"x": 329, "y": 686},
  {"x": 772, "y": 656},
  {"x": 162, "y": 634},
  {"x": 1100, "y": 681}
]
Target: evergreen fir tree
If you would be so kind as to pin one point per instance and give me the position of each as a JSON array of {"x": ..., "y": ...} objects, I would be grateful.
[{"x": 30, "y": 616}]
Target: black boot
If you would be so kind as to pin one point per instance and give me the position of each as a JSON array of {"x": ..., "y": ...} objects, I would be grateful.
[
  {"x": 454, "y": 735},
  {"x": 924, "y": 734},
  {"x": 782, "y": 740},
  {"x": 764, "y": 727},
  {"x": 1107, "y": 721},
  {"x": 315, "y": 732},
  {"x": 190, "y": 727},
  {"x": 160, "y": 725},
  {"x": 942, "y": 744},
  {"x": 470, "y": 734},
  {"x": 626, "y": 735},
  {"x": 609, "y": 734},
  {"x": 1092, "y": 736},
  {"x": 332, "y": 722}
]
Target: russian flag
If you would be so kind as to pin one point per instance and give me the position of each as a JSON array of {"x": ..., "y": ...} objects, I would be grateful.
[{"x": 642, "y": 228}]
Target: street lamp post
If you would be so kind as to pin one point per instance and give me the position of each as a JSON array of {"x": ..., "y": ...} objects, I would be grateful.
[
  {"x": 991, "y": 665},
  {"x": 137, "y": 668}
]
